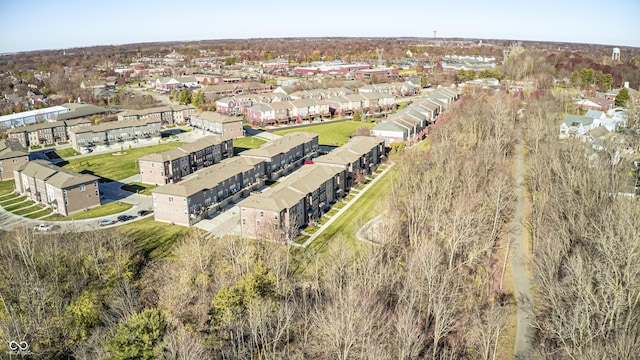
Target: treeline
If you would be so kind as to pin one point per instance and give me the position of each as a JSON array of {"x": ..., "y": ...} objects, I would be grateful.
[{"x": 585, "y": 245}]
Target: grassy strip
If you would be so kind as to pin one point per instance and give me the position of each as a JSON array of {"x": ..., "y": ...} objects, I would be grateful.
[
  {"x": 27, "y": 210},
  {"x": 39, "y": 214},
  {"x": 6, "y": 187},
  {"x": 19, "y": 205},
  {"x": 116, "y": 167},
  {"x": 155, "y": 239},
  {"x": 330, "y": 133},
  {"x": 104, "y": 210},
  {"x": 12, "y": 200}
]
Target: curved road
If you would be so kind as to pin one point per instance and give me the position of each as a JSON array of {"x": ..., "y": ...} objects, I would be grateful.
[{"x": 521, "y": 286}]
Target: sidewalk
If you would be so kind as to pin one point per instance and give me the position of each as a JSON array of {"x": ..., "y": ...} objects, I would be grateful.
[{"x": 344, "y": 208}]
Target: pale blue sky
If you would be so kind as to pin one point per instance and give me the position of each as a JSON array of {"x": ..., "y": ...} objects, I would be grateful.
[{"x": 36, "y": 24}]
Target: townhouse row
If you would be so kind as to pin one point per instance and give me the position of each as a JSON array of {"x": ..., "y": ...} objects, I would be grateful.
[
  {"x": 167, "y": 115},
  {"x": 411, "y": 123},
  {"x": 114, "y": 132},
  {"x": 172, "y": 165},
  {"x": 63, "y": 191},
  {"x": 284, "y": 112}
]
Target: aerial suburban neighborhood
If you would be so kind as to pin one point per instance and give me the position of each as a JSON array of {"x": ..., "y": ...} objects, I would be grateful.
[{"x": 292, "y": 198}]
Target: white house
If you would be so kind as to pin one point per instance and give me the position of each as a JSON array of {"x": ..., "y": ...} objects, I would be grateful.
[{"x": 577, "y": 126}]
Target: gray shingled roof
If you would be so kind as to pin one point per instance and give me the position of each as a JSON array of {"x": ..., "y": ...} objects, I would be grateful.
[
  {"x": 208, "y": 177},
  {"x": 54, "y": 175},
  {"x": 279, "y": 146},
  {"x": 11, "y": 148}
]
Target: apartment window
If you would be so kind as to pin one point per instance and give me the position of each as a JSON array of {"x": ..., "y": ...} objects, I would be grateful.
[
  {"x": 152, "y": 164},
  {"x": 244, "y": 221},
  {"x": 97, "y": 193},
  {"x": 261, "y": 213},
  {"x": 82, "y": 187},
  {"x": 275, "y": 216},
  {"x": 170, "y": 199},
  {"x": 258, "y": 222},
  {"x": 14, "y": 160}
]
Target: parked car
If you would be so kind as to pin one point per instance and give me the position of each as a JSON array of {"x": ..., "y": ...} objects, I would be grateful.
[
  {"x": 105, "y": 222},
  {"x": 144, "y": 212},
  {"x": 42, "y": 227},
  {"x": 122, "y": 218}
]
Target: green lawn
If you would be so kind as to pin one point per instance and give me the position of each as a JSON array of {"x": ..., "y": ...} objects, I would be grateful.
[
  {"x": 39, "y": 214},
  {"x": 18, "y": 205},
  {"x": 27, "y": 210},
  {"x": 104, "y": 210},
  {"x": 363, "y": 210},
  {"x": 6, "y": 187},
  {"x": 330, "y": 133},
  {"x": 10, "y": 200},
  {"x": 116, "y": 167},
  {"x": 137, "y": 187},
  {"x": 66, "y": 152},
  {"x": 245, "y": 143},
  {"x": 154, "y": 239}
]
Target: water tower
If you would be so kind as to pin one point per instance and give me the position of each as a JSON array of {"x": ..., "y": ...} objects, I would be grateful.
[{"x": 615, "y": 55}]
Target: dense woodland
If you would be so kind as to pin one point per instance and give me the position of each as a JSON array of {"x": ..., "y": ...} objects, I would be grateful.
[{"x": 436, "y": 285}]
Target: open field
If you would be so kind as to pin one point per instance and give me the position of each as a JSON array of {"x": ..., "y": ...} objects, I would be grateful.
[
  {"x": 336, "y": 134},
  {"x": 116, "y": 167}
]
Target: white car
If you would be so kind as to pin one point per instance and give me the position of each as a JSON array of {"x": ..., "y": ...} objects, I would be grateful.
[{"x": 42, "y": 227}]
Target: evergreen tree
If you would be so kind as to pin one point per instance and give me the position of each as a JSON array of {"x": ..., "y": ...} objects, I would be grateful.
[{"x": 622, "y": 97}]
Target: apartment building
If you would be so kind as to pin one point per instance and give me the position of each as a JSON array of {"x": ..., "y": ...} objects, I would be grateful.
[
  {"x": 278, "y": 213},
  {"x": 229, "y": 127},
  {"x": 172, "y": 165},
  {"x": 12, "y": 156},
  {"x": 114, "y": 132},
  {"x": 285, "y": 154},
  {"x": 167, "y": 115},
  {"x": 65, "y": 192},
  {"x": 360, "y": 156},
  {"x": 202, "y": 193}
]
